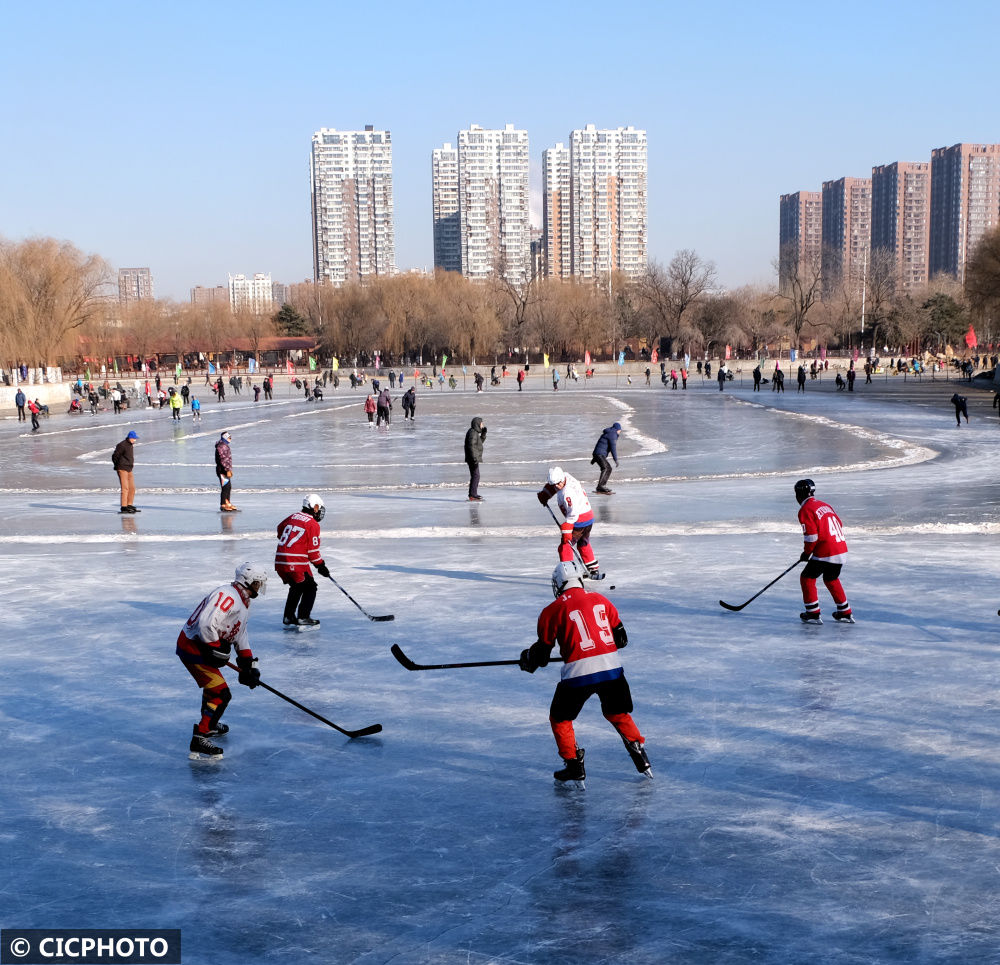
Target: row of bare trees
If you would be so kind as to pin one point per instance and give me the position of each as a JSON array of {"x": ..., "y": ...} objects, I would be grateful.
[{"x": 56, "y": 305}]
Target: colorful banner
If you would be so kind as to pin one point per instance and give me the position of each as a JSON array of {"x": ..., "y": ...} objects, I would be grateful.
[
  {"x": 621, "y": 357},
  {"x": 289, "y": 367},
  {"x": 251, "y": 365},
  {"x": 545, "y": 361},
  {"x": 312, "y": 364},
  {"x": 586, "y": 359},
  {"x": 791, "y": 355},
  {"x": 970, "y": 338},
  {"x": 211, "y": 369},
  {"x": 335, "y": 363},
  {"x": 729, "y": 352},
  {"x": 444, "y": 360},
  {"x": 654, "y": 357}
]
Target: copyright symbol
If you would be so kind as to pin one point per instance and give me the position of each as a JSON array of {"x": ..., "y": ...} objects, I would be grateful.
[{"x": 20, "y": 947}]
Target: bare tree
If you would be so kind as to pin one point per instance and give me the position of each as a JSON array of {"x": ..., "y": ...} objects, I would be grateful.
[
  {"x": 802, "y": 288},
  {"x": 669, "y": 294},
  {"x": 982, "y": 278}
]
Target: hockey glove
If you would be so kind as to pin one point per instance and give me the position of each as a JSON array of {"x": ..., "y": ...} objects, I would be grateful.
[
  {"x": 805, "y": 556},
  {"x": 537, "y": 655},
  {"x": 249, "y": 674},
  {"x": 621, "y": 637},
  {"x": 323, "y": 570}
]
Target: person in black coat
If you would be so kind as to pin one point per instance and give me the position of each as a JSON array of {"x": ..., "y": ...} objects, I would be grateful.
[
  {"x": 474, "y": 440},
  {"x": 606, "y": 445},
  {"x": 410, "y": 403}
]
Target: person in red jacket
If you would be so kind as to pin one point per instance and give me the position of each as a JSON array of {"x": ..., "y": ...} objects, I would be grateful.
[
  {"x": 590, "y": 633},
  {"x": 824, "y": 553},
  {"x": 298, "y": 548}
]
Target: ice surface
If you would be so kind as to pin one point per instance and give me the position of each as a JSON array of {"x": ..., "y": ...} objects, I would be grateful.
[{"x": 821, "y": 794}]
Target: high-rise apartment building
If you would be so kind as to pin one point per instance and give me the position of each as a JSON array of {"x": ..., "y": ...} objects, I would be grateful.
[
  {"x": 800, "y": 237},
  {"x": 134, "y": 285},
  {"x": 251, "y": 294},
  {"x": 965, "y": 203},
  {"x": 608, "y": 182},
  {"x": 847, "y": 225},
  {"x": 557, "y": 225},
  {"x": 493, "y": 203},
  {"x": 353, "y": 234},
  {"x": 901, "y": 194},
  {"x": 444, "y": 195}
]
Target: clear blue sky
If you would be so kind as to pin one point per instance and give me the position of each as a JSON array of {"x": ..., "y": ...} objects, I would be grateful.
[{"x": 176, "y": 135}]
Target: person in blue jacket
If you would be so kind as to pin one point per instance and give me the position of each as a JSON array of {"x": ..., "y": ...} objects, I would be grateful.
[{"x": 606, "y": 445}]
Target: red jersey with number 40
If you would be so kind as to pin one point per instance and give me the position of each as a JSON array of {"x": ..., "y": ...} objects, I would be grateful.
[
  {"x": 822, "y": 531},
  {"x": 298, "y": 544},
  {"x": 581, "y": 623}
]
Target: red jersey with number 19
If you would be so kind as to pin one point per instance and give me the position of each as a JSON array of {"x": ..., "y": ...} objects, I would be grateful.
[
  {"x": 298, "y": 544},
  {"x": 822, "y": 531},
  {"x": 581, "y": 623}
]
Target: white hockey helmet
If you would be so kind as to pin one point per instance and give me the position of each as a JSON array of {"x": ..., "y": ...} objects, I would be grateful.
[
  {"x": 314, "y": 505},
  {"x": 567, "y": 573},
  {"x": 253, "y": 576},
  {"x": 556, "y": 476}
]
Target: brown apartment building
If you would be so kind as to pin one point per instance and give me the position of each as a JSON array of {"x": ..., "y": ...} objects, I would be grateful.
[
  {"x": 800, "y": 236},
  {"x": 901, "y": 194}
]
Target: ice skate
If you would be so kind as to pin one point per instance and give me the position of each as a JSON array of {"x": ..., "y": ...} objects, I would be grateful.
[
  {"x": 595, "y": 575},
  {"x": 292, "y": 624},
  {"x": 202, "y": 749},
  {"x": 307, "y": 623},
  {"x": 574, "y": 770},
  {"x": 811, "y": 616},
  {"x": 638, "y": 754},
  {"x": 219, "y": 730},
  {"x": 844, "y": 616}
]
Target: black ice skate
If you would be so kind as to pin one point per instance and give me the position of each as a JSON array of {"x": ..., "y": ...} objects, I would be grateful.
[
  {"x": 844, "y": 616},
  {"x": 290, "y": 624},
  {"x": 574, "y": 770},
  {"x": 638, "y": 754},
  {"x": 811, "y": 616},
  {"x": 219, "y": 730},
  {"x": 307, "y": 623},
  {"x": 595, "y": 574},
  {"x": 202, "y": 749}
]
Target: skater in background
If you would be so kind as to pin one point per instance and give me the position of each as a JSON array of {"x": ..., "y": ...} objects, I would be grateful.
[
  {"x": 756, "y": 378},
  {"x": 474, "y": 439},
  {"x": 224, "y": 471},
  {"x": 801, "y": 378},
  {"x": 370, "y": 409},
  {"x": 961, "y": 404},
  {"x": 824, "y": 553},
  {"x": 578, "y": 516},
  {"x": 20, "y": 400},
  {"x": 410, "y": 403},
  {"x": 298, "y": 548},
  {"x": 589, "y": 632},
  {"x": 123, "y": 460},
  {"x": 606, "y": 445},
  {"x": 383, "y": 406},
  {"x": 195, "y": 409},
  {"x": 216, "y": 628}
]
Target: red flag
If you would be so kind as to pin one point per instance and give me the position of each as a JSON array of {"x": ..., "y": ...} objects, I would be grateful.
[
  {"x": 586, "y": 359},
  {"x": 655, "y": 357},
  {"x": 970, "y": 338},
  {"x": 291, "y": 368},
  {"x": 728, "y": 353}
]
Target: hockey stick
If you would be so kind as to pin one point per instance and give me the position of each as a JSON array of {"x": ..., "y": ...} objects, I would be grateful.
[
  {"x": 382, "y": 619},
  {"x": 364, "y": 732},
  {"x": 729, "y": 606},
  {"x": 574, "y": 547},
  {"x": 410, "y": 665}
]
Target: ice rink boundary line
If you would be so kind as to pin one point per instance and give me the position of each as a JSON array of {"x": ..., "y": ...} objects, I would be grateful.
[{"x": 686, "y": 531}]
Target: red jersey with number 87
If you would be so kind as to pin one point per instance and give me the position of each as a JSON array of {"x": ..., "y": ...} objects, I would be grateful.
[
  {"x": 298, "y": 544},
  {"x": 822, "y": 531},
  {"x": 581, "y": 623}
]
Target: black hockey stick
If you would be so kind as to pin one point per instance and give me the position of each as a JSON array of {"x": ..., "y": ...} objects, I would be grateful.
[
  {"x": 364, "y": 732},
  {"x": 729, "y": 606},
  {"x": 382, "y": 619},
  {"x": 574, "y": 547},
  {"x": 410, "y": 665}
]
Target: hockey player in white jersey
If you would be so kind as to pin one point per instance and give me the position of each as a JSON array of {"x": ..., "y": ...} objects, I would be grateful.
[
  {"x": 218, "y": 627},
  {"x": 578, "y": 518}
]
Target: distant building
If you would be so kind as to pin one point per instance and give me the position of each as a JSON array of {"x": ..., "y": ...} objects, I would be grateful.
[
  {"x": 846, "y": 236},
  {"x": 494, "y": 203},
  {"x": 901, "y": 193},
  {"x": 207, "y": 296},
  {"x": 135, "y": 285},
  {"x": 444, "y": 196},
  {"x": 800, "y": 237},
  {"x": 965, "y": 203},
  {"x": 608, "y": 182},
  {"x": 352, "y": 207},
  {"x": 279, "y": 294},
  {"x": 557, "y": 217},
  {"x": 251, "y": 294}
]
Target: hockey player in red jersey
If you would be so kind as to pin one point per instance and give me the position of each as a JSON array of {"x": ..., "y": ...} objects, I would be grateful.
[
  {"x": 298, "y": 547},
  {"x": 824, "y": 553},
  {"x": 589, "y": 632},
  {"x": 579, "y": 518},
  {"x": 216, "y": 628}
]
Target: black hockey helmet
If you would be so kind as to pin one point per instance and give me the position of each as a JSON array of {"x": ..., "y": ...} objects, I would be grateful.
[{"x": 804, "y": 488}]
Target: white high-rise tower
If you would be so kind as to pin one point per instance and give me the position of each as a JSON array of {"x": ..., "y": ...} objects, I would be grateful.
[{"x": 353, "y": 236}]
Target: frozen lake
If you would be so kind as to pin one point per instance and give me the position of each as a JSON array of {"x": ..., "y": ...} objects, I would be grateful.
[{"x": 821, "y": 794}]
